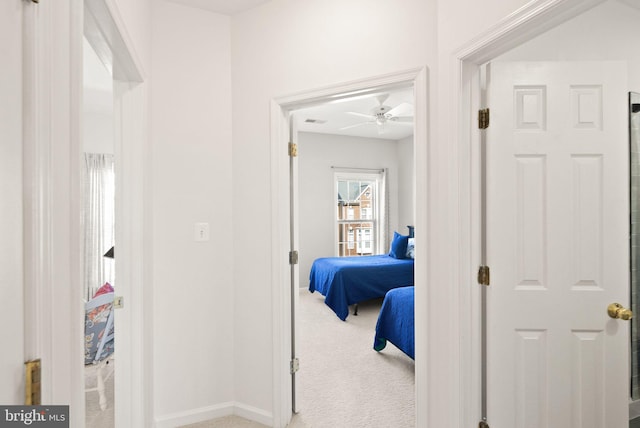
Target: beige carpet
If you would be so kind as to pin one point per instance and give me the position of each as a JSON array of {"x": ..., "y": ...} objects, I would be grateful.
[{"x": 342, "y": 381}]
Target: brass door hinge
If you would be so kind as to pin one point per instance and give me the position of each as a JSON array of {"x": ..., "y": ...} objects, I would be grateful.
[
  {"x": 32, "y": 383},
  {"x": 484, "y": 277},
  {"x": 294, "y": 365},
  {"x": 483, "y": 118},
  {"x": 293, "y": 150},
  {"x": 293, "y": 257}
]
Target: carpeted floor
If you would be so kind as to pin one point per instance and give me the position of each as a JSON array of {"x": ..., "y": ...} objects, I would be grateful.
[{"x": 342, "y": 381}]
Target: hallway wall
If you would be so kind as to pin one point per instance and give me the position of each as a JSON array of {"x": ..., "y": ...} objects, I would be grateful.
[{"x": 190, "y": 118}]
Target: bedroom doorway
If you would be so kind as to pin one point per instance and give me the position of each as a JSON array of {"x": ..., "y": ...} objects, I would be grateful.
[
  {"x": 98, "y": 234},
  {"x": 113, "y": 124},
  {"x": 312, "y": 146},
  {"x": 342, "y": 177}
]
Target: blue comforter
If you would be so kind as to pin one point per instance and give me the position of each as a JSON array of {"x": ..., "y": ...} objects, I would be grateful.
[
  {"x": 345, "y": 281},
  {"x": 396, "y": 321}
]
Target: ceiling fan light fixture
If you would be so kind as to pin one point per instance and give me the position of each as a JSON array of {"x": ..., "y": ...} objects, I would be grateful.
[{"x": 382, "y": 114}]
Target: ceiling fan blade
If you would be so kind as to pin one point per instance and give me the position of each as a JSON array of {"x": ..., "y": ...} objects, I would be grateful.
[
  {"x": 402, "y": 119},
  {"x": 367, "y": 116},
  {"x": 402, "y": 109}
]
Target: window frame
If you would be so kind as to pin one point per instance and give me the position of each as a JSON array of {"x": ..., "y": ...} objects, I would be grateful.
[{"x": 376, "y": 178}]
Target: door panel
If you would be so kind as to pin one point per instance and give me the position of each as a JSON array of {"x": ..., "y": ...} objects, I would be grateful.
[{"x": 557, "y": 245}]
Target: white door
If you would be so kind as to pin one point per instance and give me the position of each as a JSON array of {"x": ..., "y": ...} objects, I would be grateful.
[{"x": 557, "y": 245}]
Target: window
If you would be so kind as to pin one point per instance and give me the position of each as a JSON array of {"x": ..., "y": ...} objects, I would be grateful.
[{"x": 357, "y": 214}]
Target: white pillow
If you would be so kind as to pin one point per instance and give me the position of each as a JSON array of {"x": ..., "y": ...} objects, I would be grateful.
[{"x": 410, "y": 246}]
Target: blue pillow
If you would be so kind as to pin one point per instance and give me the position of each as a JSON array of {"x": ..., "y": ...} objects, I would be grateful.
[{"x": 399, "y": 246}]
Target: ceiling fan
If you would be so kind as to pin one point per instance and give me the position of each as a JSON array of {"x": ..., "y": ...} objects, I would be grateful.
[{"x": 382, "y": 114}]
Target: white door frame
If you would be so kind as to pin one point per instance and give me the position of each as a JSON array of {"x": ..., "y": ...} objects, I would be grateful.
[
  {"x": 54, "y": 309},
  {"x": 528, "y": 22},
  {"x": 52, "y": 88},
  {"x": 280, "y": 243}
]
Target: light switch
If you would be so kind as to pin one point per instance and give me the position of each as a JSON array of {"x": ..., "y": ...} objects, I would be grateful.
[{"x": 202, "y": 232}]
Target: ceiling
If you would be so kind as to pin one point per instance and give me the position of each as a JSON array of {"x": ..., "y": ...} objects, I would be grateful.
[
  {"x": 338, "y": 118},
  {"x": 97, "y": 82},
  {"x": 327, "y": 118}
]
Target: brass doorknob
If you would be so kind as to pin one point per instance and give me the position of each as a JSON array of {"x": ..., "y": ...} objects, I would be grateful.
[{"x": 617, "y": 311}]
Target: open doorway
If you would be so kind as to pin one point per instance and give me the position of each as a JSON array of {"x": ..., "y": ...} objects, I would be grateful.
[
  {"x": 354, "y": 187},
  {"x": 98, "y": 235},
  {"x": 113, "y": 125},
  {"x": 284, "y": 381}
]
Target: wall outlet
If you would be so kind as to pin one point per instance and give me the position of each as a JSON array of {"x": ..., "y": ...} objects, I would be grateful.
[{"x": 202, "y": 232}]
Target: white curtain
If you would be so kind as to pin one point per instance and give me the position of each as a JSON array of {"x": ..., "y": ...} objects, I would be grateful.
[{"x": 98, "y": 215}]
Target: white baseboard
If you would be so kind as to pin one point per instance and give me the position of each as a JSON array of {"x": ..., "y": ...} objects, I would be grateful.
[
  {"x": 214, "y": 412},
  {"x": 253, "y": 414}
]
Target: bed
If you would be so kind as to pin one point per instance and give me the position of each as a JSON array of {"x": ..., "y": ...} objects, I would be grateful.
[
  {"x": 396, "y": 321},
  {"x": 345, "y": 281}
]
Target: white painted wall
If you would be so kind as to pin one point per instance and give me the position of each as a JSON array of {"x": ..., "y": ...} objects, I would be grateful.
[
  {"x": 317, "y": 153},
  {"x": 459, "y": 21},
  {"x": 191, "y": 182},
  {"x": 610, "y": 31},
  {"x": 11, "y": 272},
  {"x": 406, "y": 181},
  {"x": 280, "y": 48}
]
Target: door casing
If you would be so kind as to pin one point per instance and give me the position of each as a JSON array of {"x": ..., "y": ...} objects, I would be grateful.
[{"x": 280, "y": 209}]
